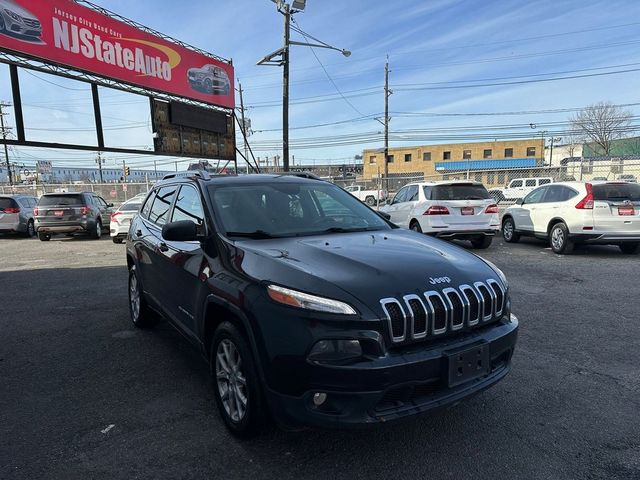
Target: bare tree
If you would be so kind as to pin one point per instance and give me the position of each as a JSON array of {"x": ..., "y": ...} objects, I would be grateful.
[{"x": 602, "y": 123}]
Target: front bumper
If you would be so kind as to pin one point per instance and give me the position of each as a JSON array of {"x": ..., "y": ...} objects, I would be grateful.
[
  {"x": 401, "y": 384},
  {"x": 28, "y": 27}
]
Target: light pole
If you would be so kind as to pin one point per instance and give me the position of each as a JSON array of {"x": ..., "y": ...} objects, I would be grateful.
[{"x": 280, "y": 58}]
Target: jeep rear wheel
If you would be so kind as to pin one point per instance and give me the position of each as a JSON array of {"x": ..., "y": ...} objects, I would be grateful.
[
  {"x": 141, "y": 315},
  {"x": 236, "y": 383}
]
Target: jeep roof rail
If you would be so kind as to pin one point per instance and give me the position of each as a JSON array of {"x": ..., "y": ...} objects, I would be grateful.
[{"x": 203, "y": 174}]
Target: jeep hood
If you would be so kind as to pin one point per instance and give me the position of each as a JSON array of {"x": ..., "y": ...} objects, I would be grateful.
[{"x": 366, "y": 265}]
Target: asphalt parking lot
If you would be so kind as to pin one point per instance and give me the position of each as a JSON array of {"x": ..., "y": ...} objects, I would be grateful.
[{"x": 83, "y": 395}]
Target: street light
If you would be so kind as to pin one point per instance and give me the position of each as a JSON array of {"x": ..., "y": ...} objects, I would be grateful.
[{"x": 280, "y": 58}]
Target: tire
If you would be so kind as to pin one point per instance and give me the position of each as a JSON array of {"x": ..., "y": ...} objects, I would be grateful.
[
  {"x": 44, "y": 237},
  {"x": 370, "y": 201},
  {"x": 630, "y": 248},
  {"x": 97, "y": 231},
  {"x": 141, "y": 315},
  {"x": 116, "y": 239},
  {"x": 415, "y": 226},
  {"x": 244, "y": 418},
  {"x": 482, "y": 242},
  {"x": 559, "y": 239},
  {"x": 509, "y": 231},
  {"x": 31, "y": 230},
  {"x": 208, "y": 85}
]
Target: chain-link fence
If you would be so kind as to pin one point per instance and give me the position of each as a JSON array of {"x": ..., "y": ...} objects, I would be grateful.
[{"x": 116, "y": 193}]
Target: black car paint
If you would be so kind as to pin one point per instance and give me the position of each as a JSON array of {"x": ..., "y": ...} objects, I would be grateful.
[{"x": 187, "y": 281}]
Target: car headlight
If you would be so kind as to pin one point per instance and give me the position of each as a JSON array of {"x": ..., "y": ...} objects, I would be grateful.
[
  {"x": 293, "y": 298},
  {"x": 13, "y": 15},
  {"x": 499, "y": 272}
]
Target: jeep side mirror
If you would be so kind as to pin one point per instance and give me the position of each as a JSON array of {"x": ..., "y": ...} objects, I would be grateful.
[
  {"x": 180, "y": 231},
  {"x": 520, "y": 201}
]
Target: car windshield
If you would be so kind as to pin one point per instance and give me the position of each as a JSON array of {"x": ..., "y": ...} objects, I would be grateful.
[
  {"x": 617, "y": 191},
  {"x": 459, "y": 191},
  {"x": 282, "y": 209},
  {"x": 48, "y": 200}
]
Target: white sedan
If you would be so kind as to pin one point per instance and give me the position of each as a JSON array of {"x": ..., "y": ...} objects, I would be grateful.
[
  {"x": 450, "y": 210},
  {"x": 605, "y": 213},
  {"x": 121, "y": 218}
]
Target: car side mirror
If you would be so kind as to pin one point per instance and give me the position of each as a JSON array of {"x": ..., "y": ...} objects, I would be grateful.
[
  {"x": 109, "y": 204},
  {"x": 520, "y": 201},
  {"x": 180, "y": 231},
  {"x": 385, "y": 215}
]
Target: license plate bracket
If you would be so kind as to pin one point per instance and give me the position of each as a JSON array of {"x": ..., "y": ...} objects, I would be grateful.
[
  {"x": 467, "y": 211},
  {"x": 58, "y": 213},
  {"x": 468, "y": 364},
  {"x": 626, "y": 211}
]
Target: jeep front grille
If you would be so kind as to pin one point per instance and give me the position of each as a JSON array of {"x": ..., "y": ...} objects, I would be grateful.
[{"x": 435, "y": 313}]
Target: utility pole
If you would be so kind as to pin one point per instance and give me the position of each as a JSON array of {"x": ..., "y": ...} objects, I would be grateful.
[
  {"x": 244, "y": 125},
  {"x": 386, "y": 124},
  {"x": 4, "y": 137},
  {"x": 99, "y": 161},
  {"x": 155, "y": 170},
  {"x": 286, "y": 11}
]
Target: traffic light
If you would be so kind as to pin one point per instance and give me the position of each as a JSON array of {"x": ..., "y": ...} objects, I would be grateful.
[{"x": 127, "y": 171}]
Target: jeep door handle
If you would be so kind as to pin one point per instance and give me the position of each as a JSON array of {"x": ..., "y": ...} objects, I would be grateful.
[{"x": 163, "y": 247}]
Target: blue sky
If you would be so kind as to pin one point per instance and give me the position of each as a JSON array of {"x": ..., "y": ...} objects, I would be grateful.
[{"x": 437, "y": 51}]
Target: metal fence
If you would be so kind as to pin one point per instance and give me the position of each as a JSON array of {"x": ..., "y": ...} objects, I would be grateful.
[{"x": 116, "y": 193}]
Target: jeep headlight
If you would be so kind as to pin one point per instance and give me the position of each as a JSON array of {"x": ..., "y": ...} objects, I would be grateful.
[
  {"x": 293, "y": 298},
  {"x": 499, "y": 272}
]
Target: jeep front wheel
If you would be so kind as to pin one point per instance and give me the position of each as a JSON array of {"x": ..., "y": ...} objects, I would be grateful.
[{"x": 236, "y": 384}]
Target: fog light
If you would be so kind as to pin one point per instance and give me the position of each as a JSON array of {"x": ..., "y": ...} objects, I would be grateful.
[{"x": 319, "y": 398}]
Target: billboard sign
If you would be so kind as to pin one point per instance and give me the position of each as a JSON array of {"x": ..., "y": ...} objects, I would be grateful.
[{"x": 67, "y": 33}]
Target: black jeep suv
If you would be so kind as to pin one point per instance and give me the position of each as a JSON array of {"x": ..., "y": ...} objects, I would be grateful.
[{"x": 311, "y": 308}]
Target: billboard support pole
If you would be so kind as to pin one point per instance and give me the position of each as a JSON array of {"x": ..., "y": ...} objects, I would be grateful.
[
  {"x": 17, "y": 102},
  {"x": 4, "y": 136}
]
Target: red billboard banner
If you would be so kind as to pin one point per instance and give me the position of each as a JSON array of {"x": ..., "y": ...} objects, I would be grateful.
[{"x": 67, "y": 33}]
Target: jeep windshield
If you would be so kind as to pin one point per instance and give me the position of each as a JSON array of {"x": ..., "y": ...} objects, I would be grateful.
[{"x": 287, "y": 209}]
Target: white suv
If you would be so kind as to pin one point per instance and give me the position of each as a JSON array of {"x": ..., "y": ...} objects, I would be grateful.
[
  {"x": 519, "y": 188},
  {"x": 606, "y": 213},
  {"x": 451, "y": 210}
]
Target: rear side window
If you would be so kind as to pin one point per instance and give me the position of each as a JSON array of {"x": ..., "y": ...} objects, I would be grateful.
[
  {"x": 461, "y": 191},
  {"x": 147, "y": 205},
  {"x": 188, "y": 206},
  {"x": 412, "y": 193},
  {"x": 7, "y": 203},
  {"x": 161, "y": 207},
  {"x": 50, "y": 200},
  {"x": 617, "y": 191}
]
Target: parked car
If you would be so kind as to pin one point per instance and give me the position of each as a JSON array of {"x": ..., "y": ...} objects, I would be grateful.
[
  {"x": 16, "y": 214},
  {"x": 209, "y": 79},
  {"x": 450, "y": 210},
  {"x": 17, "y": 20},
  {"x": 370, "y": 197},
  {"x": 121, "y": 219},
  {"x": 569, "y": 213},
  {"x": 315, "y": 317},
  {"x": 519, "y": 188},
  {"x": 70, "y": 213},
  {"x": 628, "y": 178}
]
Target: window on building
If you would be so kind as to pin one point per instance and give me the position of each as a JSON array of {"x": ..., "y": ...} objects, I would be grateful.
[
  {"x": 372, "y": 159},
  {"x": 531, "y": 151},
  {"x": 466, "y": 154},
  {"x": 491, "y": 178},
  {"x": 426, "y": 156},
  {"x": 446, "y": 155},
  {"x": 487, "y": 153},
  {"x": 407, "y": 157},
  {"x": 508, "y": 153},
  {"x": 390, "y": 158}
]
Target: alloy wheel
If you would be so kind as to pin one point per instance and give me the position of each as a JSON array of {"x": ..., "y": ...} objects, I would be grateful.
[
  {"x": 507, "y": 230},
  {"x": 134, "y": 297},
  {"x": 231, "y": 381},
  {"x": 557, "y": 238}
]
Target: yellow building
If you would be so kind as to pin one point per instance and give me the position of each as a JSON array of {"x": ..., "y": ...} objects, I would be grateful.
[{"x": 438, "y": 162}]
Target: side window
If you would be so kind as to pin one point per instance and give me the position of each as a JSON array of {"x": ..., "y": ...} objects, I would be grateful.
[
  {"x": 544, "y": 181},
  {"x": 188, "y": 207},
  {"x": 159, "y": 213},
  {"x": 535, "y": 196},
  {"x": 554, "y": 194},
  {"x": 144, "y": 212},
  {"x": 530, "y": 183},
  {"x": 412, "y": 193},
  {"x": 427, "y": 192},
  {"x": 516, "y": 184},
  {"x": 400, "y": 196},
  {"x": 100, "y": 202},
  {"x": 568, "y": 193}
]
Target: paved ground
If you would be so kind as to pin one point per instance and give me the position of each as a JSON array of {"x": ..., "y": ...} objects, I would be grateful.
[{"x": 83, "y": 395}]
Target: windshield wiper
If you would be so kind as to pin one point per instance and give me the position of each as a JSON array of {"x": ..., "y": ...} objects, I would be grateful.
[
  {"x": 256, "y": 234},
  {"x": 348, "y": 230}
]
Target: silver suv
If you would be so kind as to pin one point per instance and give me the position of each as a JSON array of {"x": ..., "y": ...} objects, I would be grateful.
[{"x": 16, "y": 214}]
